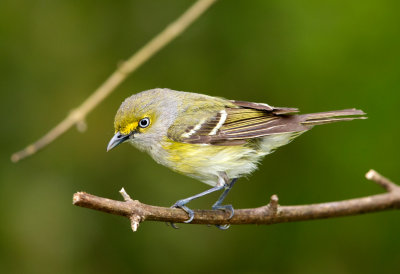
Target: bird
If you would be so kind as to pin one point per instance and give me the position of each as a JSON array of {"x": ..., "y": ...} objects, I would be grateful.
[{"x": 211, "y": 139}]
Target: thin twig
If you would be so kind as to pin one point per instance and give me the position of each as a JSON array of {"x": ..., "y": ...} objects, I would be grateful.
[
  {"x": 382, "y": 181},
  {"x": 125, "y": 195},
  {"x": 78, "y": 115},
  {"x": 272, "y": 213}
]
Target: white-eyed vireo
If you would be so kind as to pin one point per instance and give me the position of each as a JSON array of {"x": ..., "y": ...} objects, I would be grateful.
[{"x": 211, "y": 139}]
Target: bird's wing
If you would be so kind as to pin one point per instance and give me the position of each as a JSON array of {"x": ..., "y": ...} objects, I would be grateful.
[{"x": 233, "y": 123}]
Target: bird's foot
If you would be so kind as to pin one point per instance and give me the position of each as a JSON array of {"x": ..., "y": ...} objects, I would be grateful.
[
  {"x": 190, "y": 212},
  {"x": 228, "y": 208},
  {"x": 225, "y": 208}
]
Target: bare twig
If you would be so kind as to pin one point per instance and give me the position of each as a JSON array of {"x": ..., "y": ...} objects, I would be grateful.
[
  {"x": 125, "y": 195},
  {"x": 272, "y": 213},
  {"x": 77, "y": 116},
  {"x": 382, "y": 181}
]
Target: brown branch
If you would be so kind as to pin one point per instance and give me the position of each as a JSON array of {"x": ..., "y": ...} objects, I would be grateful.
[
  {"x": 272, "y": 213},
  {"x": 78, "y": 115}
]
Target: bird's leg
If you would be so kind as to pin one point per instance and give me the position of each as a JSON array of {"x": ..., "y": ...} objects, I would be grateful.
[
  {"x": 183, "y": 202},
  {"x": 221, "y": 198}
]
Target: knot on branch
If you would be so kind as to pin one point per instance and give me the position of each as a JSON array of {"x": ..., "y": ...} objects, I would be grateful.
[
  {"x": 78, "y": 117},
  {"x": 273, "y": 204},
  {"x": 81, "y": 126},
  {"x": 137, "y": 216}
]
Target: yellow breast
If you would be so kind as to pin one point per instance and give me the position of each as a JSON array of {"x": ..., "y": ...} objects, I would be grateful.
[{"x": 205, "y": 162}]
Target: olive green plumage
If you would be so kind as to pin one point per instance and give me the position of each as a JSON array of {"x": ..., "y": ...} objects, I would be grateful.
[{"x": 208, "y": 138}]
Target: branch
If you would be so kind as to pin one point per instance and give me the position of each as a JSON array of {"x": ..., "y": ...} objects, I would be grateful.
[
  {"x": 272, "y": 213},
  {"x": 77, "y": 116}
]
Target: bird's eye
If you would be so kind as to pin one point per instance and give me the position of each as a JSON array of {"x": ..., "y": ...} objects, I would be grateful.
[{"x": 145, "y": 122}]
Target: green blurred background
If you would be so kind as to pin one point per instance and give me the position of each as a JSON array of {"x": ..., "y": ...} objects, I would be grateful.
[{"x": 315, "y": 55}]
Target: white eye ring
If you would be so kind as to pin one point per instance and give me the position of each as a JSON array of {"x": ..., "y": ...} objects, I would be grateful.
[{"x": 145, "y": 122}]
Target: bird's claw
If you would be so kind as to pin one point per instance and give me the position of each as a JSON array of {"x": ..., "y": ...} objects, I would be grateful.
[
  {"x": 223, "y": 227},
  {"x": 181, "y": 204},
  {"x": 173, "y": 225},
  {"x": 225, "y": 208},
  {"x": 189, "y": 212}
]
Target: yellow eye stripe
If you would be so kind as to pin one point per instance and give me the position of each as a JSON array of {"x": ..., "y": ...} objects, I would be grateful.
[{"x": 128, "y": 128}]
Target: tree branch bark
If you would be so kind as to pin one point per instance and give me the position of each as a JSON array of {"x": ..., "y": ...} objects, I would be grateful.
[
  {"x": 272, "y": 213},
  {"x": 77, "y": 116}
]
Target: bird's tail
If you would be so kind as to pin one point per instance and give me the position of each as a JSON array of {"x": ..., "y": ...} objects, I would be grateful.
[{"x": 321, "y": 118}]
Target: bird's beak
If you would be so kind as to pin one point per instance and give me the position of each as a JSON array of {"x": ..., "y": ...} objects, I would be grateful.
[{"x": 116, "y": 140}]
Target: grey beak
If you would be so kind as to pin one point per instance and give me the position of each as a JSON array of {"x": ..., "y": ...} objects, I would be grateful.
[{"x": 116, "y": 140}]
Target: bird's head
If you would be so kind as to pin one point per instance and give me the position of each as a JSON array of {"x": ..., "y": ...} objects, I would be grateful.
[{"x": 143, "y": 118}]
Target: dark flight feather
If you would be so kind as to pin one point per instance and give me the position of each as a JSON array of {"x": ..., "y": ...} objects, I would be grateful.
[{"x": 237, "y": 124}]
